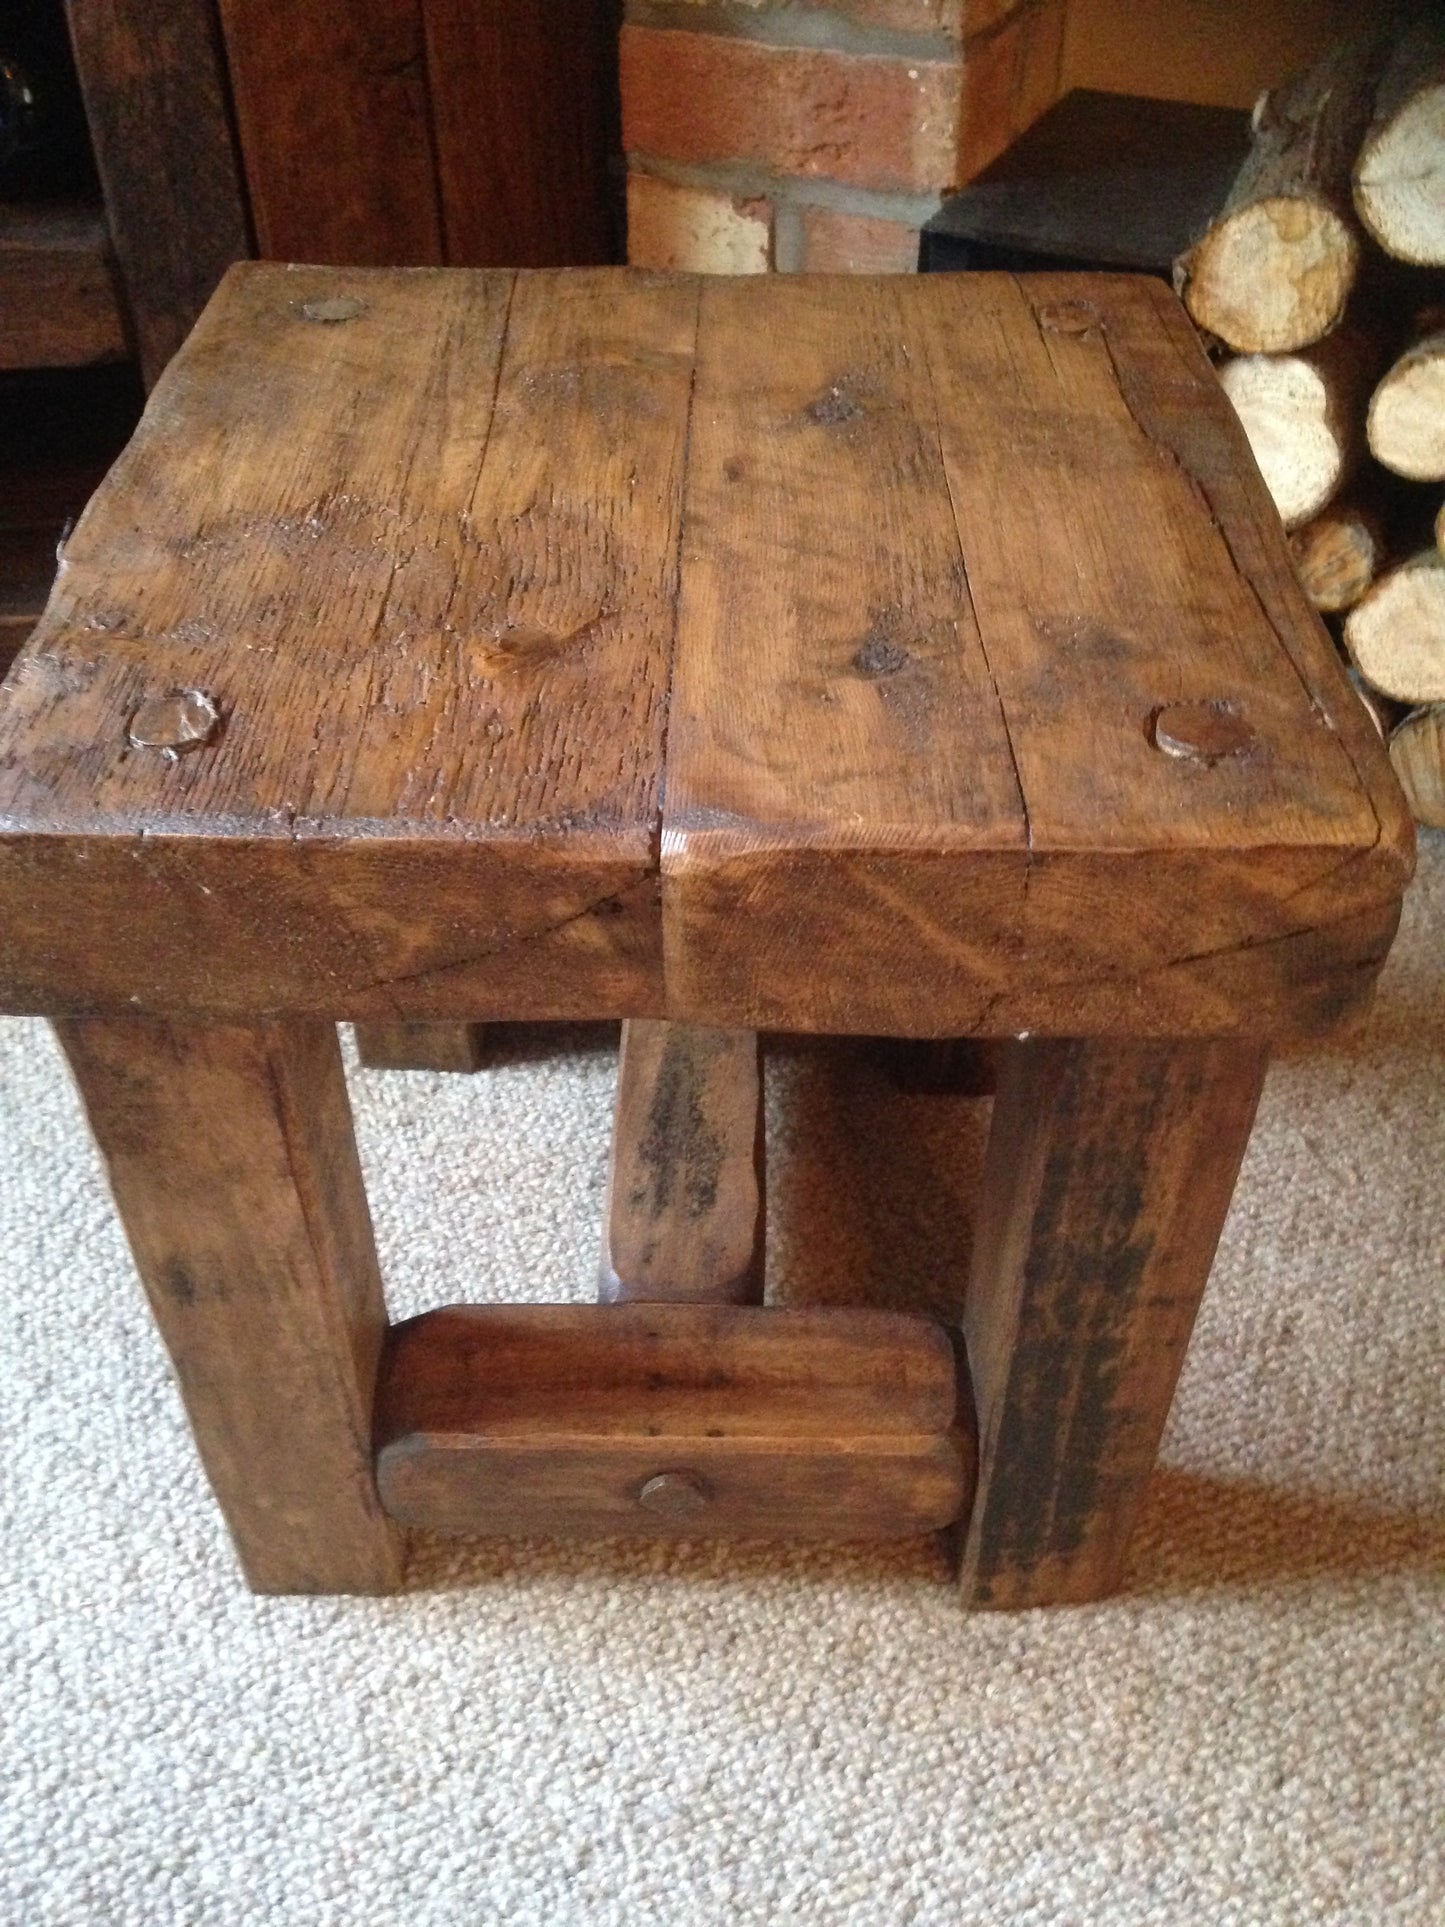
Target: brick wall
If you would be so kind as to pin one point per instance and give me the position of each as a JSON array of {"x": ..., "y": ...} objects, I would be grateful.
[{"x": 818, "y": 134}]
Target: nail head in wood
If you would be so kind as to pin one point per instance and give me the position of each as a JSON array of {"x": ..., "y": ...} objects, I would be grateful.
[
  {"x": 341, "y": 307},
  {"x": 675, "y": 1495},
  {"x": 1069, "y": 317},
  {"x": 1202, "y": 732},
  {"x": 184, "y": 720}
]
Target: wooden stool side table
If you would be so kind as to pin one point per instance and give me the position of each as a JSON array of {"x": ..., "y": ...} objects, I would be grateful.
[{"x": 916, "y": 658}]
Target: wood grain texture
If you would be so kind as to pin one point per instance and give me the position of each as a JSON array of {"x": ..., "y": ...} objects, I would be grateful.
[
  {"x": 435, "y": 610},
  {"x": 156, "y": 99},
  {"x": 553, "y": 1419},
  {"x": 978, "y": 818},
  {"x": 421, "y": 1047},
  {"x": 334, "y": 115},
  {"x": 234, "y": 1169},
  {"x": 1109, "y": 1173},
  {"x": 684, "y": 1213},
  {"x": 775, "y": 652},
  {"x": 58, "y": 303},
  {"x": 523, "y": 110}
]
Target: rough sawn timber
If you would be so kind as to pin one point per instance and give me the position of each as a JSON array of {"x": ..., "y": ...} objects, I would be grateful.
[
  {"x": 754, "y": 653},
  {"x": 559, "y": 1418}
]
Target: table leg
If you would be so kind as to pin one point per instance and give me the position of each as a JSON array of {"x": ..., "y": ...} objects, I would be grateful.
[
  {"x": 1109, "y": 1173},
  {"x": 421, "y": 1047},
  {"x": 234, "y": 1168},
  {"x": 685, "y": 1188}
]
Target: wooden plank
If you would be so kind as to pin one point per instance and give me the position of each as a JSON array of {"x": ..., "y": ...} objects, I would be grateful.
[
  {"x": 234, "y": 1169},
  {"x": 156, "y": 99},
  {"x": 1122, "y": 889},
  {"x": 725, "y": 1371},
  {"x": 334, "y": 111},
  {"x": 1109, "y": 1173},
  {"x": 524, "y": 116},
  {"x": 684, "y": 1216},
  {"x": 58, "y": 305},
  {"x": 696, "y": 1419},
  {"x": 831, "y": 699},
  {"x": 437, "y": 632},
  {"x": 421, "y": 1047}
]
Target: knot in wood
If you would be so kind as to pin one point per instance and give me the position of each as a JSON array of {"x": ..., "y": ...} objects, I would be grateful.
[
  {"x": 833, "y": 407},
  {"x": 879, "y": 657},
  {"x": 675, "y": 1495},
  {"x": 176, "y": 723},
  {"x": 338, "y": 307},
  {"x": 1202, "y": 732}
]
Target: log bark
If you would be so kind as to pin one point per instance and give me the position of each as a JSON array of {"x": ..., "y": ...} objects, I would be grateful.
[
  {"x": 1417, "y": 751},
  {"x": 1406, "y": 421},
  {"x": 1338, "y": 555},
  {"x": 1382, "y": 711},
  {"x": 1302, "y": 413},
  {"x": 1275, "y": 267},
  {"x": 1399, "y": 176},
  {"x": 1396, "y": 633}
]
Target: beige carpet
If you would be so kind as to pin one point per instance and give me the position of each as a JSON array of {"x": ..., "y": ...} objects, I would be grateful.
[{"x": 702, "y": 1735}]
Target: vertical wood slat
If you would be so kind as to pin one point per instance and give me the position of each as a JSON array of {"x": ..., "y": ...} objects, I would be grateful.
[
  {"x": 410, "y": 132},
  {"x": 1109, "y": 1173},
  {"x": 334, "y": 111},
  {"x": 685, "y": 1187},
  {"x": 525, "y": 120},
  {"x": 234, "y": 1169},
  {"x": 155, "y": 88}
]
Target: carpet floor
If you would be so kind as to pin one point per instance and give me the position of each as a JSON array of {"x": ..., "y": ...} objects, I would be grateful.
[{"x": 702, "y": 1734}]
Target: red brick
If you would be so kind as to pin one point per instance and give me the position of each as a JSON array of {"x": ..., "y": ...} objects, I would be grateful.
[
  {"x": 694, "y": 229},
  {"x": 1010, "y": 77},
  {"x": 835, "y": 243},
  {"x": 869, "y": 121}
]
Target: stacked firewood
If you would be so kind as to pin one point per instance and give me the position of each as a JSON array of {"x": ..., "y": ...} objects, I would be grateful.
[{"x": 1319, "y": 279}]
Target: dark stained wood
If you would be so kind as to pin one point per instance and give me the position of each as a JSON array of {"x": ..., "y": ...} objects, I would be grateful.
[
  {"x": 334, "y": 116},
  {"x": 155, "y": 92},
  {"x": 1109, "y": 1173},
  {"x": 234, "y": 1170},
  {"x": 830, "y": 757},
  {"x": 430, "y": 588},
  {"x": 939, "y": 1067},
  {"x": 684, "y": 1215},
  {"x": 58, "y": 306},
  {"x": 701, "y": 1419},
  {"x": 421, "y": 1047},
  {"x": 523, "y": 106},
  {"x": 416, "y": 535}
]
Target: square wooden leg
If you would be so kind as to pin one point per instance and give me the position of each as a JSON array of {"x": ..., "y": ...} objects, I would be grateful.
[
  {"x": 421, "y": 1047},
  {"x": 1109, "y": 1173},
  {"x": 234, "y": 1169}
]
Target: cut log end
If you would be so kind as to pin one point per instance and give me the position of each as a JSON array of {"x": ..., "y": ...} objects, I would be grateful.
[
  {"x": 1417, "y": 751},
  {"x": 1399, "y": 178},
  {"x": 1337, "y": 555},
  {"x": 1301, "y": 415},
  {"x": 1406, "y": 421},
  {"x": 1272, "y": 277},
  {"x": 1396, "y": 633}
]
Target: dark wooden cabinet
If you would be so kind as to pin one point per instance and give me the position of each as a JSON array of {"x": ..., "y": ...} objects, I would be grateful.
[{"x": 476, "y": 132}]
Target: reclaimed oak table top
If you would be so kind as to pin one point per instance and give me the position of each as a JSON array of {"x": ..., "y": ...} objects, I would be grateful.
[{"x": 906, "y": 655}]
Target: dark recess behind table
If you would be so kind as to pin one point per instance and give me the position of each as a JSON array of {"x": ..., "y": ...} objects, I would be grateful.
[{"x": 1101, "y": 181}]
